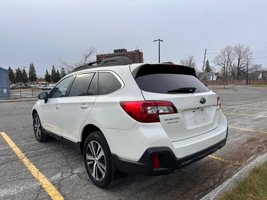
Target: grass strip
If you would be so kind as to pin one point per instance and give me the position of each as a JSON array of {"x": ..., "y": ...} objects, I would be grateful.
[{"x": 254, "y": 187}]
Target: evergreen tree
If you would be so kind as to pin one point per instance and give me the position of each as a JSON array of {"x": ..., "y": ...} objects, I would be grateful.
[
  {"x": 19, "y": 77},
  {"x": 57, "y": 76},
  {"x": 32, "y": 73},
  {"x": 24, "y": 76},
  {"x": 62, "y": 72},
  {"x": 53, "y": 75},
  {"x": 207, "y": 68},
  {"x": 47, "y": 77},
  {"x": 12, "y": 76}
]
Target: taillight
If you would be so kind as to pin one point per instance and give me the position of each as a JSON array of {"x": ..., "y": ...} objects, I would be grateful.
[
  {"x": 218, "y": 103},
  {"x": 147, "y": 111}
]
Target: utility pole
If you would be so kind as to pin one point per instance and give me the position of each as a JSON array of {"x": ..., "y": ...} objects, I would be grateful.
[
  {"x": 203, "y": 68},
  {"x": 158, "y": 40}
]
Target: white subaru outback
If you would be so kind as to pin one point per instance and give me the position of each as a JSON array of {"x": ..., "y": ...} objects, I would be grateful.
[{"x": 133, "y": 118}]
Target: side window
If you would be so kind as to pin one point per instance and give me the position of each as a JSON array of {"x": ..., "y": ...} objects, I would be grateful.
[
  {"x": 60, "y": 90},
  {"x": 108, "y": 83},
  {"x": 93, "y": 89},
  {"x": 80, "y": 84}
]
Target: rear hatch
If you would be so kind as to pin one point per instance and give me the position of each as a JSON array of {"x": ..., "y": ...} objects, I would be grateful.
[{"x": 196, "y": 104}]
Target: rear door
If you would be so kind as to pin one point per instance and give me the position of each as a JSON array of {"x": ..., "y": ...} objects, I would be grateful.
[{"x": 196, "y": 104}]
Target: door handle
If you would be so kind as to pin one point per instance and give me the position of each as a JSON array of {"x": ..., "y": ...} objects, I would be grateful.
[{"x": 84, "y": 106}]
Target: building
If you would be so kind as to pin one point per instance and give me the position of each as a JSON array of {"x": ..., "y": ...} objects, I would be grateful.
[
  {"x": 258, "y": 75},
  {"x": 263, "y": 75},
  {"x": 135, "y": 56},
  {"x": 207, "y": 76},
  {"x": 4, "y": 83}
]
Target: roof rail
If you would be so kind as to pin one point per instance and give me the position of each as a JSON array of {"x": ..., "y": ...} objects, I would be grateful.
[
  {"x": 86, "y": 66},
  {"x": 171, "y": 63},
  {"x": 118, "y": 60}
]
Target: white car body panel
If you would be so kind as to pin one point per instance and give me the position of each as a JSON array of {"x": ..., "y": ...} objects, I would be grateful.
[
  {"x": 72, "y": 113},
  {"x": 193, "y": 118},
  {"x": 49, "y": 115}
]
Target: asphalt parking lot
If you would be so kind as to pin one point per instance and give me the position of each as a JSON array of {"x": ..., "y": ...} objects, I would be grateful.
[{"x": 62, "y": 165}]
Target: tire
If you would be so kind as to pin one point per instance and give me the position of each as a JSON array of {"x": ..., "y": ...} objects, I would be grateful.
[
  {"x": 97, "y": 159},
  {"x": 38, "y": 129}
]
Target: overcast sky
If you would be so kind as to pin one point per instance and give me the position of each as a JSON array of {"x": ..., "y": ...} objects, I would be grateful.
[{"x": 46, "y": 31}]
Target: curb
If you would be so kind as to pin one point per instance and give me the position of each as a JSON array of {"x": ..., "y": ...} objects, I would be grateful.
[{"x": 230, "y": 183}]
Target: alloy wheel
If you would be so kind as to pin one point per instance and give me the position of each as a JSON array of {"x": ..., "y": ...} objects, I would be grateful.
[
  {"x": 96, "y": 160},
  {"x": 37, "y": 127}
]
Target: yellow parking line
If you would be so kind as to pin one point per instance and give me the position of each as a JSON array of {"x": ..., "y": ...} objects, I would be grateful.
[
  {"x": 218, "y": 158},
  {"x": 247, "y": 129},
  {"x": 229, "y": 113},
  {"x": 46, "y": 184}
]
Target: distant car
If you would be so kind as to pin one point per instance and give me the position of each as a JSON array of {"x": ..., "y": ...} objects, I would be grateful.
[
  {"x": 45, "y": 87},
  {"x": 13, "y": 86},
  {"x": 33, "y": 86},
  {"x": 50, "y": 86},
  {"x": 137, "y": 118},
  {"x": 41, "y": 87}
]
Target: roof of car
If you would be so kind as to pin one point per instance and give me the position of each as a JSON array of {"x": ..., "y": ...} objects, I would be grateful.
[
  {"x": 122, "y": 62},
  {"x": 114, "y": 61}
]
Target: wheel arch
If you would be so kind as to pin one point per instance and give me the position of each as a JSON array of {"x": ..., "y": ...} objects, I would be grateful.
[
  {"x": 34, "y": 112},
  {"x": 87, "y": 130}
]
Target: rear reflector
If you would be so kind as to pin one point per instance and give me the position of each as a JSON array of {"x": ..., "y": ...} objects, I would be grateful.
[
  {"x": 156, "y": 163},
  {"x": 147, "y": 111}
]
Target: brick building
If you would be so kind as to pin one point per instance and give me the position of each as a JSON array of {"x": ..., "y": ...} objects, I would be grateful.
[{"x": 135, "y": 56}]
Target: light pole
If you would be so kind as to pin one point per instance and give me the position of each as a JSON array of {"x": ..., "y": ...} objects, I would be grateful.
[{"x": 158, "y": 40}]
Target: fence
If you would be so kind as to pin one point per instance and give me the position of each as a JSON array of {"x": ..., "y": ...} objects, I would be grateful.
[
  {"x": 236, "y": 82},
  {"x": 25, "y": 93}
]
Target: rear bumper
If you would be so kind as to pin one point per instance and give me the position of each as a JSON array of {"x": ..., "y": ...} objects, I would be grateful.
[{"x": 167, "y": 159}]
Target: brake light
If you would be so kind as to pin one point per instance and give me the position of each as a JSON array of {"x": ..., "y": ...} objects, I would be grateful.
[
  {"x": 218, "y": 103},
  {"x": 147, "y": 111}
]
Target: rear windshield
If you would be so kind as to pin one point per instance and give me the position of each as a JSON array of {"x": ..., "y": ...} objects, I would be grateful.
[{"x": 169, "y": 79}]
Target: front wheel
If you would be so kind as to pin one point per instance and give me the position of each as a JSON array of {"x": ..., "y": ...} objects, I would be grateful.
[
  {"x": 97, "y": 159},
  {"x": 38, "y": 129}
]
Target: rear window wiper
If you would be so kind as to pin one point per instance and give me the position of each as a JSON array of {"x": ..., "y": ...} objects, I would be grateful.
[{"x": 183, "y": 90}]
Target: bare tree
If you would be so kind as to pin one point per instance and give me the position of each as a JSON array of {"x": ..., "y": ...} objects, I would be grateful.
[
  {"x": 190, "y": 61},
  {"x": 225, "y": 60},
  {"x": 243, "y": 56},
  {"x": 234, "y": 61},
  {"x": 86, "y": 57},
  {"x": 255, "y": 68}
]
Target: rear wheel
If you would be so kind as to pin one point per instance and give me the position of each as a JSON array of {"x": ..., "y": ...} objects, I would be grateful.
[
  {"x": 38, "y": 129},
  {"x": 97, "y": 159}
]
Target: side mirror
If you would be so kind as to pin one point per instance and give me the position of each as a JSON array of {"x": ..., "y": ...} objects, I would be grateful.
[{"x": 43, "y": 96}]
